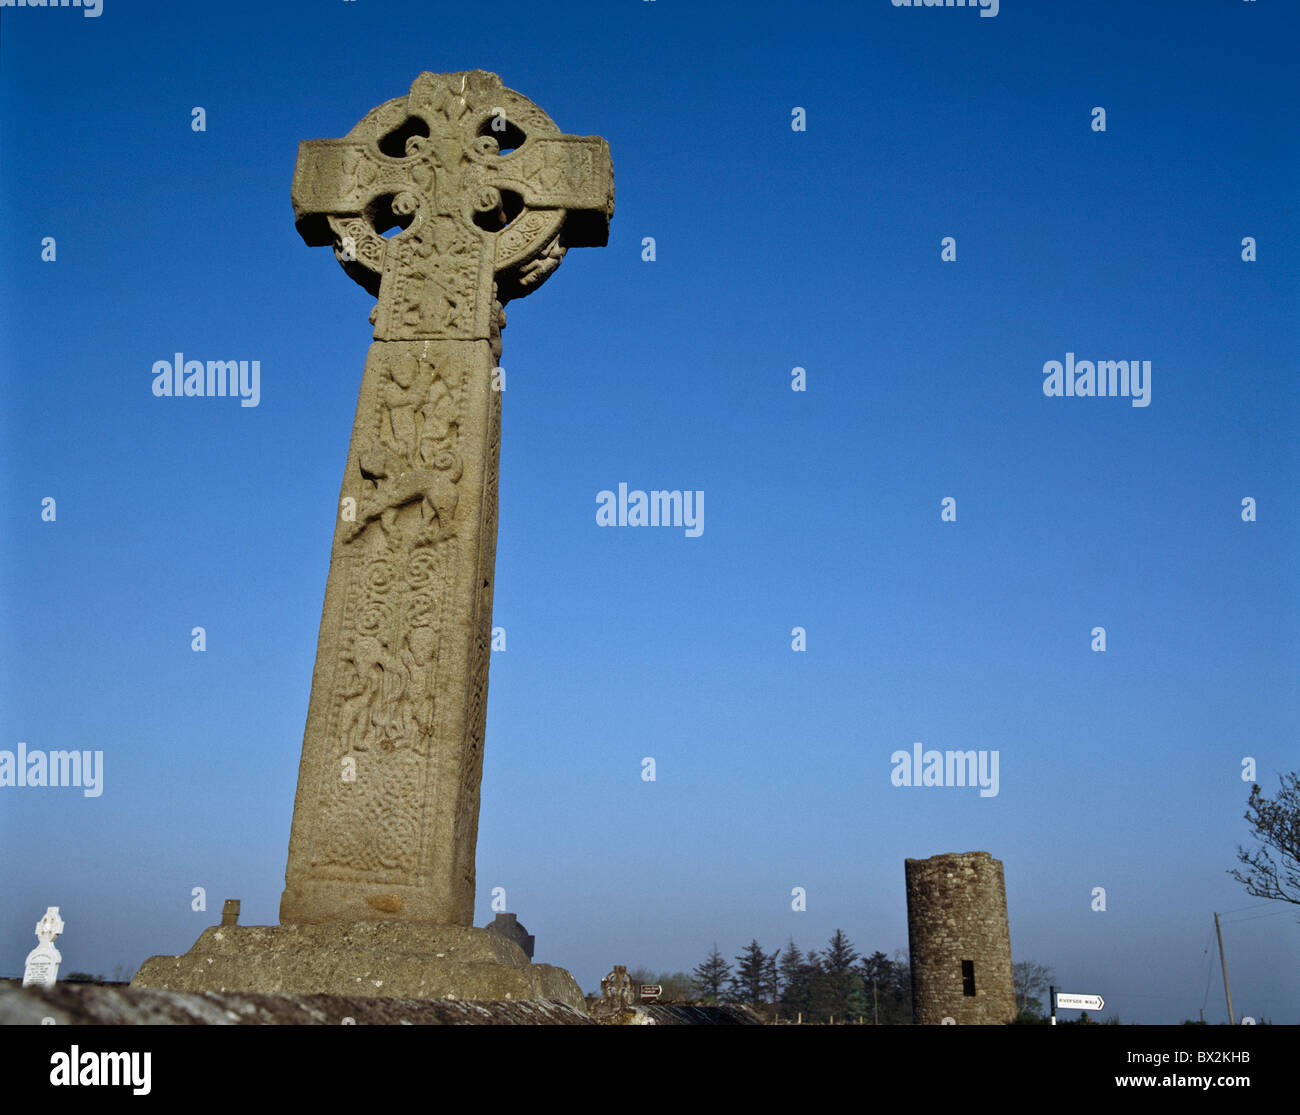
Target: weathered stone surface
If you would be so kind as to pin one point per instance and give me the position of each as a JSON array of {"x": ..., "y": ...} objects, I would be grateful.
[
  {"x": 957, "y": 912},
  {"x": 488, "y": 196},
  {"x": 85, "y": 1004},
  {"x": 617, "y": 996},
  {"x": 404, "y": 960},
  {"x": 75, "y": 1004},
  {"x": 668, "y": 1014},
  {"x": 386, "y": 816}
]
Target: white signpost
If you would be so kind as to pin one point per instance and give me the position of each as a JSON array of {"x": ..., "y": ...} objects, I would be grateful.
[
  {"x": 1073, "y": 1002},
  {"x": 42, "y": 968},
  {"x": 1079, "y": 1002}
]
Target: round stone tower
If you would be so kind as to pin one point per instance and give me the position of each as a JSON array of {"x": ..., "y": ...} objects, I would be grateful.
[{"x": 959, "y": 940}]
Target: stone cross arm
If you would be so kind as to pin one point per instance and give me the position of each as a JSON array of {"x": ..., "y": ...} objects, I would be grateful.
[
  {"x": 461, "y": 194},
  {"x": 50, "y": 926}
]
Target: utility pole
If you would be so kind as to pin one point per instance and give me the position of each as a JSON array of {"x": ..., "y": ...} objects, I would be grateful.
[
  {"x": 875, "y": 1004},
  {"x": 1223, "y": 961}
]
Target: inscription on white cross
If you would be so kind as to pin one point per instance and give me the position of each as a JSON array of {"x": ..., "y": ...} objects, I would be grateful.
[{"x": 42, "y": 968}]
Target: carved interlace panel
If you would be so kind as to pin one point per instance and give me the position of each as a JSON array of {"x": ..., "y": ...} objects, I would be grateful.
[
  {"x": 395, "y": 562},
  {"x": 486, "y": 190}
]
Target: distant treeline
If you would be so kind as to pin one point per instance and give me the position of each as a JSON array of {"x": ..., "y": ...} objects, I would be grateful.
[{"x": 834, "y": 983}]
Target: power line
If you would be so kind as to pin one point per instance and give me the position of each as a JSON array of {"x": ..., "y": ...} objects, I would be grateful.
[
  {"x": 1257, "y": 917},
  {"x": 1253, "y": 906}
]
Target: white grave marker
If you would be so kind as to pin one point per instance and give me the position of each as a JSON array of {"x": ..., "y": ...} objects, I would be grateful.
[{"x": 43, "y": 961}]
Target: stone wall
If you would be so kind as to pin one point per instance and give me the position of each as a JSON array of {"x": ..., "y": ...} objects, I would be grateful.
[
  {"x": 86, "y": 1004},
  {"x": 958, "y": 936}
]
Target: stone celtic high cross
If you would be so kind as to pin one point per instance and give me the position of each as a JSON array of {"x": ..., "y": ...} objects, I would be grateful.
[{"x": 480, "y": 195}]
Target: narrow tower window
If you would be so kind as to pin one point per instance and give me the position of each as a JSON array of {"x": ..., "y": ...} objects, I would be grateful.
[{"x": 968, "y": 977}]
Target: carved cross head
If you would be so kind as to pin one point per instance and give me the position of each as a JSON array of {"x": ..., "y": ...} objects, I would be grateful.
[
  {"x": 50, "y": 926},
  {"x": 461, "y": 195}
]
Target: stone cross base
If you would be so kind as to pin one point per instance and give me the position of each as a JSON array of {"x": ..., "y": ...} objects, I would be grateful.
[{"x": 400, "y": 960}]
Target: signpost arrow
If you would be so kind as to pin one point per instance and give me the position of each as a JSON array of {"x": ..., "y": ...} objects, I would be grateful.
[{"x": 1079, "y": 1002}]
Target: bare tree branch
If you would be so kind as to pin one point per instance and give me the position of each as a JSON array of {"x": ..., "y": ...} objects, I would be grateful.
[{"x": 1277, "y": 825}]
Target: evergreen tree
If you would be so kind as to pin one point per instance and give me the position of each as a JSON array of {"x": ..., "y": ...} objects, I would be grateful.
[
  {"x": 889, "y": 1001},
  {"x": 793, "y": 971},
  {"x": 710, "y": 978},
  {"x": 772, "y": 978},
  {"x": 788, "y": 962},
  {"x": 747, "y": 985},
  {"x": 812, "y": 978},
  {"x": 839, "y": 955},
  {"x": 841, "y": 981}
]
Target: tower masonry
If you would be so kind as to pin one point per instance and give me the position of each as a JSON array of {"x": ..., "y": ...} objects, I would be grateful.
[{"x": 959, "y": 939}]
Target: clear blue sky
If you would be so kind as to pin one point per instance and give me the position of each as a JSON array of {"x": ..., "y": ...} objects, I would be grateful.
[{"x": 775, "y": 249}]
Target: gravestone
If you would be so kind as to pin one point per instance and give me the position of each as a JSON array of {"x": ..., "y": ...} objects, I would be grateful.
[
  {"x": 445, "y": 205},
  {"x": 509, "y": 926},
  {"x": 42, "y": 968},
  {"x": 617, "y": 987},
  {"x": 618, "y": 996}
]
